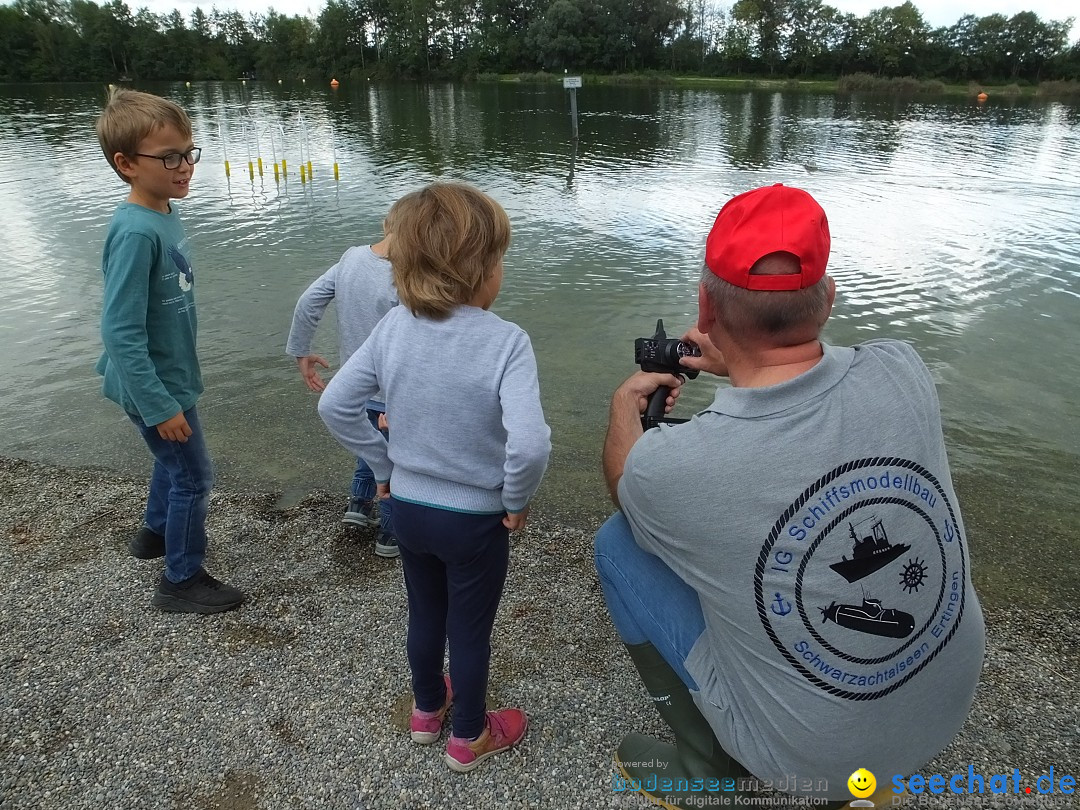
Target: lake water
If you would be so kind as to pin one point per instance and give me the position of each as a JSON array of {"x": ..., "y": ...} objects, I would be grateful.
[{"x": 954, "y": 227}]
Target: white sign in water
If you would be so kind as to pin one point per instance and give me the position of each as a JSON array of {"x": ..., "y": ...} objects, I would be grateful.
[{"x": 570, "y": 82}]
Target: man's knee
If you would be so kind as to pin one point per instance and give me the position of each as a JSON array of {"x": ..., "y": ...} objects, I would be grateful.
[{"x": 612, "y": 538}]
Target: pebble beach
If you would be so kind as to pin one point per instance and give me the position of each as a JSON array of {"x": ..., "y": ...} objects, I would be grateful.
[{"x": 300, "y": 698}]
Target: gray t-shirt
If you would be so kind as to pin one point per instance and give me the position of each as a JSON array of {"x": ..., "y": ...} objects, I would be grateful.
[{"x": 817, "y": 521}]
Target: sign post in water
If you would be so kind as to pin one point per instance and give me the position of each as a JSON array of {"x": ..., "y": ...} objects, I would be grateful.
[{"x": 572, "y": 83}]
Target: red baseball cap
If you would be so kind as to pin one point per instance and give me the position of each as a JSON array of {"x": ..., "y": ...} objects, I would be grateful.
[{"x": 768, "y": 220}]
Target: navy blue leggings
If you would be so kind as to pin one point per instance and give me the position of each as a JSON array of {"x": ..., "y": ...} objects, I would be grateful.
[{"x": 455, "y": 566}]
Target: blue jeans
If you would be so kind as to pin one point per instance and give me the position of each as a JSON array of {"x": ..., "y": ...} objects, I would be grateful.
[
  {"x": 363, "y": 482},
  {"x": 179, "y": 495},
  {"x": 455, "y": 567},
  {"x": 648, "y": 602}
]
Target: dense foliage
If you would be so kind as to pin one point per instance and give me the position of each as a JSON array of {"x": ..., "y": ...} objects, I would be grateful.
[{"x": 44, "y": 40}]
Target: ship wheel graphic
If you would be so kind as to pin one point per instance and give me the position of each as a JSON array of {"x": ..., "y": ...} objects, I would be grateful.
[{"x": 913, "y": 575}]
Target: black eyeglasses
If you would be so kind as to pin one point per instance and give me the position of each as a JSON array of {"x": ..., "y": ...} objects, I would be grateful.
[{"x": 173, "y": 159}]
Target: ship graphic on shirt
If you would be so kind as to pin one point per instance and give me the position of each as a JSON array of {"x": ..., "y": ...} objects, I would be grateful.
[
  {"x": 870, "y": 617},
  {"x": 868, "y": 554}
]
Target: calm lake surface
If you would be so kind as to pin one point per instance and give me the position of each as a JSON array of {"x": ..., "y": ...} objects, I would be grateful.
[{"x": 955, "y": 226}]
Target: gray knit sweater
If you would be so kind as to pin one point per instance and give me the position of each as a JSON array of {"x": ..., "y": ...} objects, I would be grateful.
[{"x": 463, "y": 403}]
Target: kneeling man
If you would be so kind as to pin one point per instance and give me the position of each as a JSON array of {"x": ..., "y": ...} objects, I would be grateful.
[{"x": 788, "y": 569}]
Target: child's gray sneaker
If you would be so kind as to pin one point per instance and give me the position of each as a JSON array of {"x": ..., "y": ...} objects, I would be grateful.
[
  {"x": 198, "y": 594},
  {"x": 361, "y": 512},
  {"x": 147, "y": 544},
  {"x": 386, "y": 545}
]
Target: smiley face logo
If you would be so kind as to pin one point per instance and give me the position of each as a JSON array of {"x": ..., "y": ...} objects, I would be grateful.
[{"x": 861, "y": 783}]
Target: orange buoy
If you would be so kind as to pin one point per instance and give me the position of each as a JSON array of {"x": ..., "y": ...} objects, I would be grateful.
[
  {"x": 333, "y": 82},
  {"x": 982, "y": 97}
]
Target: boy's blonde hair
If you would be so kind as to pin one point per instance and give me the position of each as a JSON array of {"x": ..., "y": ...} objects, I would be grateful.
[
  {"x": 447, "y": 240},
  {"x": 129, "y": 116}
]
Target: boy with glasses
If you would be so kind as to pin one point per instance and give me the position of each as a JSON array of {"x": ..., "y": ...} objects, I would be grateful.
[{"x": 148, "y": 327}]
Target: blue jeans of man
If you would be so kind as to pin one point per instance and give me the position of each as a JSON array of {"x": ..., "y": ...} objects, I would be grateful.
[
  {"x": 363, "y": 483},
  {"x": 179, "y": 495},
  {"x": 648, "y": 602}
]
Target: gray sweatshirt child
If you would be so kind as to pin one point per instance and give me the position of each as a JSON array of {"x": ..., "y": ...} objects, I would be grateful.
[
  {"x": 464, "y": 405},
  {"x": 363, "y": 286}
]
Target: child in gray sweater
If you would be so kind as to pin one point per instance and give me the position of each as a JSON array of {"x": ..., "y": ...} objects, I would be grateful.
[
  {"x": 363, "y": 287},
  {"x": 469, "y": 450}
]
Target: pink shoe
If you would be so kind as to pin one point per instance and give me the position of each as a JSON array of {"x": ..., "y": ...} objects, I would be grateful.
[
  {"x": 426, "y": 727},
  {"x": 502, "y": 729}
]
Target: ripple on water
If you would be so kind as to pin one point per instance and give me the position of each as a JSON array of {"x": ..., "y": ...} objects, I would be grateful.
[{"x": 953, "y": 227}]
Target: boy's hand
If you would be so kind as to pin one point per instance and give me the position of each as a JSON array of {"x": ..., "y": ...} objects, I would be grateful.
[
  {"x": 310, "y": 374},
  {"x": 516, "y": 522},
  {"x": 175, "y": 430},
  {"x": 383, "y": 424},
  {"x": 382, "y": 490}
]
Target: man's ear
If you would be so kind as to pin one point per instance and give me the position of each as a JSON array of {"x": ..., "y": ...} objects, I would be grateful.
[
  {"x": 124, "y": 165},
  {"x": 831, "y": 299},
  {"x": 705, "y": 318}
]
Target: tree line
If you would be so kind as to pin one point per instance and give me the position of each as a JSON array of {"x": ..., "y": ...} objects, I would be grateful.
[{"x": 53, "y": 40}]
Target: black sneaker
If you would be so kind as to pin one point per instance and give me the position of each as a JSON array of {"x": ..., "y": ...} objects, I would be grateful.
[
  {"x": 198, "y": 594},
  {"x": 147, "y": 544},
  {"x": 386, "y": 545},
  {"x": 361, "y": 513}
]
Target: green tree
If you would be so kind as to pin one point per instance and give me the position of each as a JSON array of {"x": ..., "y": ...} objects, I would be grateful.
[
  {"x": 16, "y": 44},
  {"x": 765, "y": 21},
  {"x": 340, "y": 38},
  {"x": 554, "y": 37},
  {"x": 1032, "y": 43},
  {"x": 897, "y": 37}
]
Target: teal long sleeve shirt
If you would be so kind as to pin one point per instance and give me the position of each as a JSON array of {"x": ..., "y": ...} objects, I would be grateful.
[{"x": 148, "y": 321}]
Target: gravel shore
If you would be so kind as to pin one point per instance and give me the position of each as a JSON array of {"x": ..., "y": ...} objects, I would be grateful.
[{"x": 300, "y": 699}]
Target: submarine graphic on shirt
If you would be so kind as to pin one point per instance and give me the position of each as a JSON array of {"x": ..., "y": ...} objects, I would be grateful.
[{"x": 870, "y": 617}]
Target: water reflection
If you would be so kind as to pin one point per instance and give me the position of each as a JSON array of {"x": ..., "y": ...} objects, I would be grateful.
[{"x": 954, "y": 227}]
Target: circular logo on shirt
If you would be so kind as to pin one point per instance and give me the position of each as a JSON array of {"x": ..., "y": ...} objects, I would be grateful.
[{"x": 860, "y": 583}]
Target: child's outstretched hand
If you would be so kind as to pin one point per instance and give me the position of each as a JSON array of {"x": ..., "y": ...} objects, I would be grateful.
[
  {"x": 310, "y": 373},
  {"x": 516, "y": 522}
]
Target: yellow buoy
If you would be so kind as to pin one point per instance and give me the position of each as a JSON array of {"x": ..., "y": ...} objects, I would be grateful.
[{"x": 226, "y": 168}]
